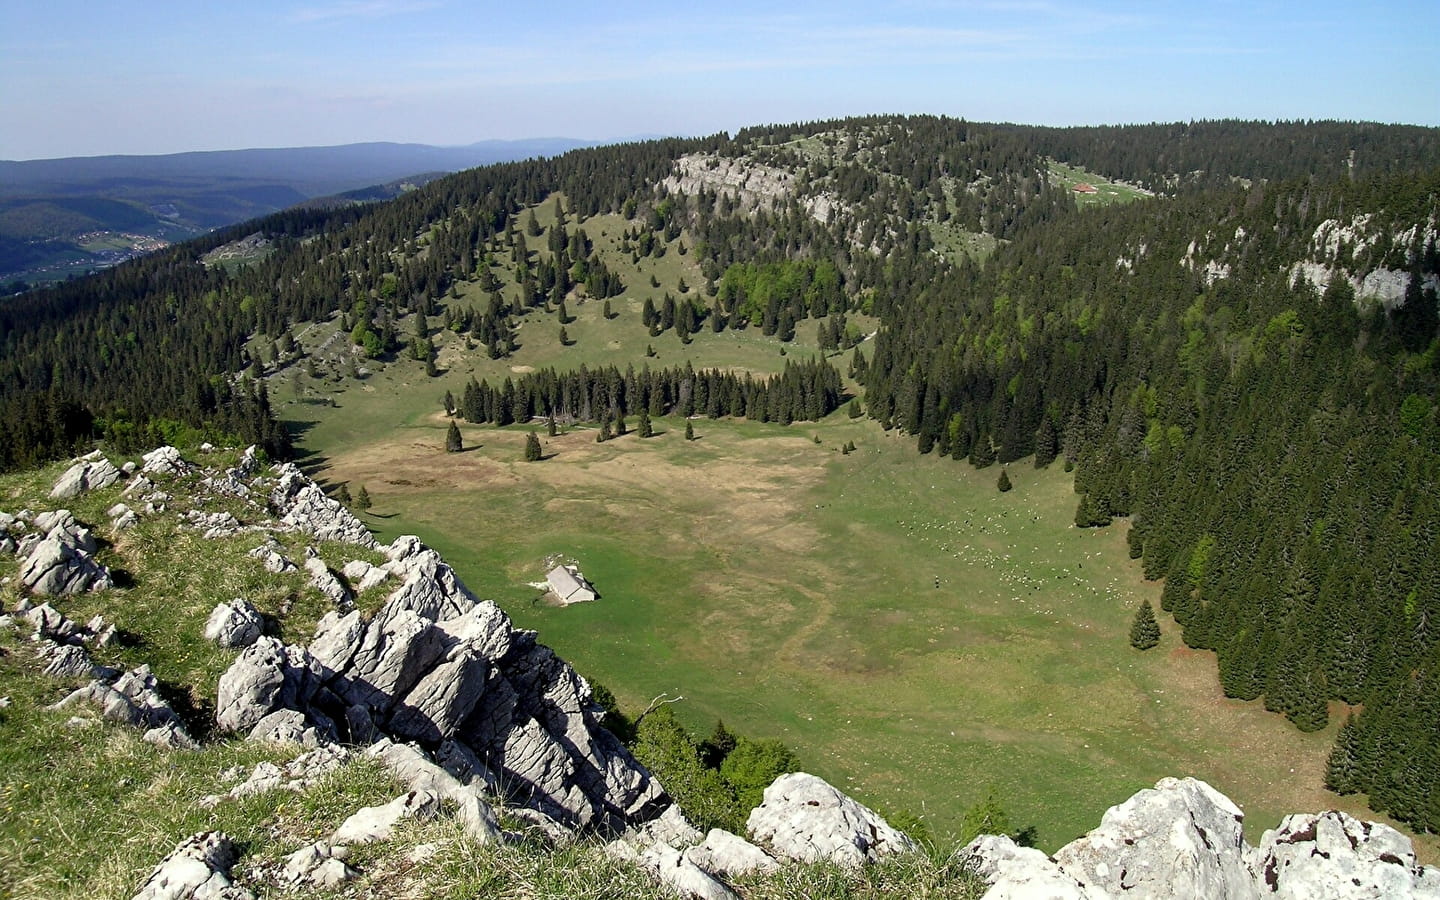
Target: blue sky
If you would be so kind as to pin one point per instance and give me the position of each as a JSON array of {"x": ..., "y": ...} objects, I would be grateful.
[{"x": 87, "y": 78}]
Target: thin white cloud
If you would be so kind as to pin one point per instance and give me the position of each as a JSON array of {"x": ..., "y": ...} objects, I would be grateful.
[
  {"x": 898, "y": 36},
  {"x": 361, "y": 9}
]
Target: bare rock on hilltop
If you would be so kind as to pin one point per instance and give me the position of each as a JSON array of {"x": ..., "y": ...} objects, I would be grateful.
[
  {"x": 301, "y": 504},
  {"x": 85, "y": 475},
  {"x": 164, "y": 461},
  {"x": 435, "y": 666},
  {"x": 723, "y": 853},
  {"x": 236, "y": 624},
  {"x": 1337, "y": 856},
  {"x": 200, "y": 868},
  {"x": 1180, "y": 839},
  {"x": 805, "y": 819},
  {"x": 61, "y": 564}
]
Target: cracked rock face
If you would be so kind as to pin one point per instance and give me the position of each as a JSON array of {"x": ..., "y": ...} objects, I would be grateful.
[
  {"x": 1337, "y": 856},
  {"x": 62, "y": 564},
  {"x": 1181, "y": 838},
  {"x": 301, "y": 504},
  {"x": 234, "y": 624},
  {"x": 199, "y": 867},
  {"x": 164, "y": 461},
  {"x": 437, "y": 667},
  {"x": 723, "y": 853},
  {"x": 133, "y": 699},
  {"x": 85, "y": 475},
  {"x": 805, "y": 819}
]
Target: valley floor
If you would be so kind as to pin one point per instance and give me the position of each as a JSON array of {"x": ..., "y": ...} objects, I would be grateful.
[{"x": 919, "y": 638}]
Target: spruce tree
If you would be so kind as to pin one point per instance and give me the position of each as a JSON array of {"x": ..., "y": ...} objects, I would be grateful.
[
  {"x": 532, "y": 447},
  {"x": 362, "y": 499},
  {"x": 453, "y": 444},
  {"x": 643, "y": 426},
  {"x": 983, "y": 453},
  {"x": 689, "y": 432},
  {"x": 1144, "y": 631},
  {"x": 1004, "y": 483},
  {"x": 342, "y": 493}
]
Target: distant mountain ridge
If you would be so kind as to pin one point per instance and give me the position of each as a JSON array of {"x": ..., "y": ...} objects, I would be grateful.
[
  {"x": 65, "y": 216},
  {"x": 312, "y": 170}
]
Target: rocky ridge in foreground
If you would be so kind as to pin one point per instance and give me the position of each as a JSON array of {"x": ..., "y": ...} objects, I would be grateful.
[{"x": 485, "y": 728}]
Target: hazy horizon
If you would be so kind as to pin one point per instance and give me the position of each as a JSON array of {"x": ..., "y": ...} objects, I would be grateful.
[{"x": 87, "y": 80}]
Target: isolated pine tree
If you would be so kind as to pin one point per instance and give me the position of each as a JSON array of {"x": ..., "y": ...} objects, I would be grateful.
[
  {"x": 1004, "y": 483},
  {"x": 453, "y": 443},
  {"x": 550, "y": 425},
  {"x": 362, "y": 499},
  {"x": 532, "y": 447},
  {"x": 1144, "y": 631},
  {"x": 689, "y": 432},
  {"x": 342, "y": 493},
  {"x": 642, "y": 425}
]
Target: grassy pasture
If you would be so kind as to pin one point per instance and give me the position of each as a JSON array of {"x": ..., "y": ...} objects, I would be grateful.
[
  {"x": 791, "y": 590},
  {"x": 1106, "y": 191}
]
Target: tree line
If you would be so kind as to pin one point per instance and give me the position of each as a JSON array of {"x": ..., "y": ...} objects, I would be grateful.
[{"x": 803, "y": 391}]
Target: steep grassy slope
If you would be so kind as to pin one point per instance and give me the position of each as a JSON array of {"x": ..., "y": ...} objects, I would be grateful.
[{"x": 89, "y": 807}]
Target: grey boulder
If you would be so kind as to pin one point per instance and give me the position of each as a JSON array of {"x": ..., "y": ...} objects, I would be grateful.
[
  {"x": 61, "y": 564},
  {"x": 726, "y": 854},
  {"x": 164, "y": 461},
  {"x": 805, "y": 819},
  {"x": 236, "y": 624},
  {"x": 377, "y": 823},
  {"x": 1336, "y": 856},
  {"x": 200, "y": 868},
  {"x": 85, "y": 475},
  {"x": 1180, "y": 839},
  {"x": 303, "y": 506}
]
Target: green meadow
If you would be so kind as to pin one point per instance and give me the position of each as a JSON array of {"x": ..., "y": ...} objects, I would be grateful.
[{"x": 919, "y": 638}]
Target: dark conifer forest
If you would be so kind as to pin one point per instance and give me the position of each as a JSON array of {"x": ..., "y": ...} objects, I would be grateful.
[{"x": 1268, "y": 437}]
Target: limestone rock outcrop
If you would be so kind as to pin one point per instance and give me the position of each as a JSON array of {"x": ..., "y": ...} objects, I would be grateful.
[
  {"x": 376, "y": 823},
  {"x": 200, "y": 868},
  {"x": 301, "y": 504},
  {"x": 88, "y": 474},
  {"x": 722, "y": 853},
  {"x": 437, "y": 667},
  {"x": 1183, "y": 839},
  {"x": 1337, "y": 856},
  {"x": 805, "y": 819},
  {"x": 62, "y": 563},
  {"x": 164, "y": 461},
  {"x": 234, "y": 624},
  {"x": 132, "y": 699},
  {"x": 319, "y": 865}
]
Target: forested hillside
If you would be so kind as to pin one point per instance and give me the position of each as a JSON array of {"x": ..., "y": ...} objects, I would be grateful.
[{"x": 1244, "y": 364}]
